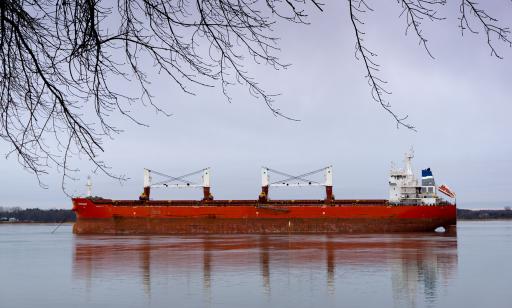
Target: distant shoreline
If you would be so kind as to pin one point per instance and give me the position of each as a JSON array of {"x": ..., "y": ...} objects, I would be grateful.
[
  {"x": 17, "y": 215},
  {"x": 465, "y": 214},
  {"x": 36, "y": 223}
]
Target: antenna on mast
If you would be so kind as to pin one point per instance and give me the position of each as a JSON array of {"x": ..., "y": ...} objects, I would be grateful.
[{"x": 408, "y": 161}]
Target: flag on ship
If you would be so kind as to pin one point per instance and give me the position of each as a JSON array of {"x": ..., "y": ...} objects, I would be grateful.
[
  {"x": 447, "y": 191},
  {"x": 427, "y": 179}
]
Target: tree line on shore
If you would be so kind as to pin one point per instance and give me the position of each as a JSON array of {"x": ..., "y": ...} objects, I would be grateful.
[
  {"x": 17, "y": 214},
  {"x": 485, "y": 214}
]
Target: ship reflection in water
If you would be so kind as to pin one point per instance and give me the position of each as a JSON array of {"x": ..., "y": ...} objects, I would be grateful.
[{"x": 404, "y": 270}]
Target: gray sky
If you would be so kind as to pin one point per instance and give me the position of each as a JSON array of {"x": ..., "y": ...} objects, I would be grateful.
[{"x": 459, "y": 102}]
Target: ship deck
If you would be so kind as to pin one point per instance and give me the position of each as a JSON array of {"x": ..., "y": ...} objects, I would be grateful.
[{"x": 301, "y": 202}]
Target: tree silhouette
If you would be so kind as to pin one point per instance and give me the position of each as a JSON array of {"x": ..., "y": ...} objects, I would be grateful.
[{"x": 60, "y": 60}]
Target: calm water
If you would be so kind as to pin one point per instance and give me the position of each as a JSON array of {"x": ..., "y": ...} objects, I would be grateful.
[{"x": 472, "y": 269}]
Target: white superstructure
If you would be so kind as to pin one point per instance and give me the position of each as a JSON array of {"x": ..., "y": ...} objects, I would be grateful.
[{"x": 404, "y": 187}]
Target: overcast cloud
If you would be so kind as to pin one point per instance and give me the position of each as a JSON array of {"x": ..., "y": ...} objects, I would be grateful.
[{"x": 460, "y": 103}]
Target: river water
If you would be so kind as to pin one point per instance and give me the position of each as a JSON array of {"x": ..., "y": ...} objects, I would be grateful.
[{"x": 43, "y": 269}]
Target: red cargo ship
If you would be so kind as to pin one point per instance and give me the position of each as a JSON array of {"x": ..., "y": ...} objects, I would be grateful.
[{"x": 411, "y": 208}]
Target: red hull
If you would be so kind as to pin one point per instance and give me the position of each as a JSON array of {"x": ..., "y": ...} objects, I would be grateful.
[{"x": 103, "y": 216}]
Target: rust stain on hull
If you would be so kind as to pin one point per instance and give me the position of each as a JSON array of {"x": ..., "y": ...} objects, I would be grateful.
[{"x": 240, "y": 226}]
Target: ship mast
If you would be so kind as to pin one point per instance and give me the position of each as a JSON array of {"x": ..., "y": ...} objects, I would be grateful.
[
  {"x": 89, "y": 186},
  {"x": 408, "y": 162}
]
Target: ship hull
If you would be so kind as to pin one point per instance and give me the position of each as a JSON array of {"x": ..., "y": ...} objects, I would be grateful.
[{"x": 245, "y": 216}]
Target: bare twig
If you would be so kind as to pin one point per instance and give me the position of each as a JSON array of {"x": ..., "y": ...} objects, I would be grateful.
[
  {"x": 488, "y": 23},
  {"x": 372, "y": 68},
  {"x": 415, "y": 12}
]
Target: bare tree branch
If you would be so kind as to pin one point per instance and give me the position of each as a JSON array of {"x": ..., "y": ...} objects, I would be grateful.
[
  {"x": 415, "y": 12},
  {"x": 488, "y": 23},
  {"x": 372, "y": 68},
  {"x": 59, "y": 60},
  {"x": 62, "y": 62}
]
